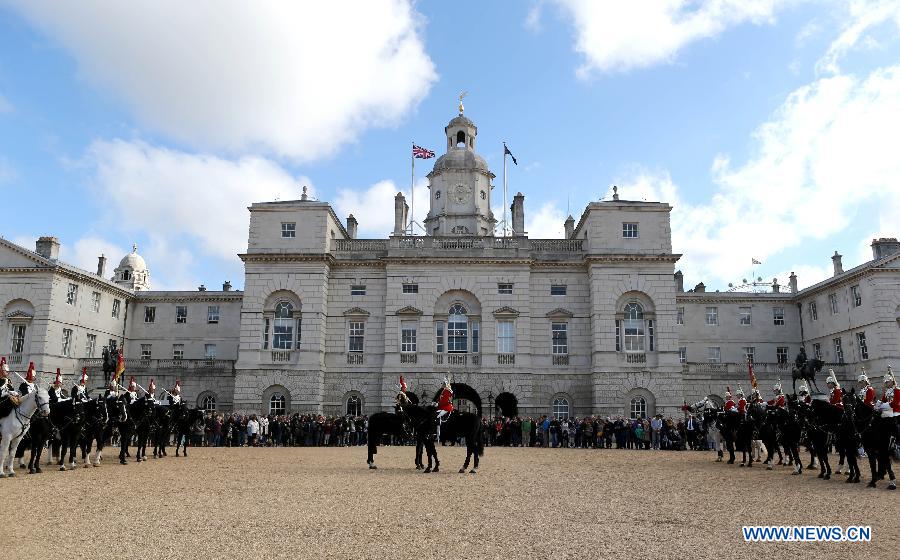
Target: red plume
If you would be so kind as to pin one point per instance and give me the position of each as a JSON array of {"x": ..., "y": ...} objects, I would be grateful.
[
  {"x": 58, "y": 380},
  {"x": 84, "y": 376},
  {"x": 29, "y": 377}
]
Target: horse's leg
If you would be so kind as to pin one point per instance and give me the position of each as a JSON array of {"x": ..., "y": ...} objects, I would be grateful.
[
  {"x": 432, "y": 449},
  {"x": 873, "y": 466},
  {"x": 373, "y": 449}
]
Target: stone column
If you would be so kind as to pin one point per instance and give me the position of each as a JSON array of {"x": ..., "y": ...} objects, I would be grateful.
[{"x": 836, "y": 261}]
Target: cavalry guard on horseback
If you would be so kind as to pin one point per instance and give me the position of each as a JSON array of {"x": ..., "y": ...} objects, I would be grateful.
[
  {"x": 174, "y": 396},
  {"x": 778, "y": 400},
  {"x": 445, "y": 400},
  {"x": 79, "y": 394},
  {"x": 729, "y": 401},
  {"x": 866, "y": 391},
  {"x": 890, "y": 398},
  {"x": 400, "y": 401},
  {"x": 742, "y": 402},
  {"x": 56, "y": 390},
  {"x": 131, "y": 392},
  {"x": 836, "y": 397},
  {"x": 27, "y": 385},
  {"x": 9, "y": 397},
  {"x": 803, "y": 391},
  {"x": 151, "y": 389},
  {"x": 800, "y": 361}
]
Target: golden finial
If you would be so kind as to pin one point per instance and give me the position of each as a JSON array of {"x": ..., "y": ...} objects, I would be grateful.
[{"x": 461, "y": 95}]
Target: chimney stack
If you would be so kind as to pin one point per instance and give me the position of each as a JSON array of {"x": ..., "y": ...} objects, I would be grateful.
[
  {"x": 679, "y": 282},
  {"x": 518, "y": 214},
  {"x": 400, "y": 210},
  {"x": 884, "y": 247},
  {"x": 838, "y": 266},
  {"x": 202, "y": 288},
  {"x": 776, "y": 287},
  {"x": 226, "y": 287},
  {"x": 47, "y": 247},
  {"x": 101, "y": 266},
  {"x": 700, "y": 288},
  {"x": 570, "y": 226},
  {"x": 351, "y": 226},
  {"x": 793, "y": 283}
]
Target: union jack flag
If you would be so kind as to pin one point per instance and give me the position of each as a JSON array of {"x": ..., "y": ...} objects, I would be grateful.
[{"x": 422, "y": 153}]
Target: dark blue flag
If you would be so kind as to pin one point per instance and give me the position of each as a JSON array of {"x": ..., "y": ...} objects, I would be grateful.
[{"x": 506, "y": 152}]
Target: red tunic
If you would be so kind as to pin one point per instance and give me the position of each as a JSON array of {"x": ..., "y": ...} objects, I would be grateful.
[
  {"x": 868, "y": 396},
  {"x": 777, "y": 401},
  {"x": 807, "y": 399},
  {"x": 729, "y": 405},
  {"x": 837, "y": 396},
  {"x": 445, "y": 401},
  {"x": 742, "y": 405},
  {"x": 892, "y": 396}
]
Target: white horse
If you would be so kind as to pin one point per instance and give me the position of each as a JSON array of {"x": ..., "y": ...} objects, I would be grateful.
[{"x": 14, "y": 426}]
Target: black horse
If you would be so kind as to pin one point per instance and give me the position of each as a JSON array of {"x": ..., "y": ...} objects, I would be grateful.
[
  {"x": 790, "y": 431},
  {"x": 728, "y": 424},
  {"x": 163, "y": 416},
  {"x": 414, "y": 417},
  {"x": 67, "y": 418},
  {"x": 822, "y": 421},
  {"x": 807, "y": 372},
  {"x": 93, "y": 430},
  {"x": 467, "y": 425},
  {"x": 875, "y": 433},
  {"x": 135, "y": 423},
  {"x": 36, "y": 441},
  {"x": 185, "y": 420}
]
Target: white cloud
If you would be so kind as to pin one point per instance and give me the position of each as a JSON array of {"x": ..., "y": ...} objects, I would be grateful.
[
  {"x": 619, "y": 36},
  {"x": 373, "y": 207},
  {"x": 84, "y": 253},
  {"x": 6, "y": 105},
  {"x": 297, "y": 79},
  {"x": 181, "y": 198},
  {"x": 547, "y": 223},
  {"x": 863, "y": 16}
]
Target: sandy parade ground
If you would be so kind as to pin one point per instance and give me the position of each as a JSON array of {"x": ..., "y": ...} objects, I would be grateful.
[{"x": 523, "y": 503}]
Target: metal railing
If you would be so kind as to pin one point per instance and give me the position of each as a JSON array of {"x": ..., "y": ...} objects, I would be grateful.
[
  {"x": 356, "y": 358},
  {"x": 560, "y": 359},
  {"x": 636, "y": 358},
  {"x": 408, "y": 358},
  {"x": 281, "y": 355},
  {"x": 506, "y": 359},
  {"x": 15, "y": 359}
]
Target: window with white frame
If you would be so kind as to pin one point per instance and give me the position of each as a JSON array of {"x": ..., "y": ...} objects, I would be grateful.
[
  {"x": 277, "y": 404},
  {"x": 838, "y": 350},
  {"x": 781, "y": 354},
  {"x": 679, "y": 316},
  {"x": 457, "y": 330},
  {"x": 506, "y": 337},
  {"x": 712, "y": 315},
  {"x": 181, "y": 314},
  {"x": 618, "y": 335},
  {"x": 149, "y": 314},
  {"x": 95, "y": 302},
  {"x": 439, "y": 328},
  {"x": 778, "y": 316},
  {"x": 210, "y": 351},
  {"x": 558, "y": 290},
  {"x": 354, "y": 406},
  {"x": 18, "y": 338},
  {"x": 410, "y": 288},
  {"x": 284, "y": 326},
  {"x": 682, "y": 354},
  {"x": 561, "y": 408},
  {"x": 408, "y": 331},
  {"x": 749, "y": 353},
  {"x": 633, "y": 323},
  {"x": 560, "y": 333},
  {"x": 288, "y": 229},
  {"x": 629, "y": 230},
  {"x": 267, "y": 325},
  {"x": 638, "y": 408},
  {"x": 67, "y": 342},
  {"x": 90, "y": 346},
  {"x": 714, "y": 355},
  {"x": 146, "y": 351},
  {"x": 208, "y": 404},
  {"x": 832, "y": 299},
  {"x": 863, "y": 349},
  {"x": 476, "y": 337},
  {"x": 358, "y": 290},
  {"x": 116, "y": 307},
  {"x": 212, "y": 314},
  {"x": 813, "y": 312},
  {"x": 72, "y": 294},
  {"x": 356, "y": 332},
  {"x": 857, "y": 297},
  {"x": 817, "y": 351},
  {"x": 505, "y": 288},
  {"x": 746, "y": 318},
  {"x": 113, "y": 345},
  {"x": 178, "y": 352}
]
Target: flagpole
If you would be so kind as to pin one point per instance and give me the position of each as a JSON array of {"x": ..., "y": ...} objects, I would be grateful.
[
  {"x": 412, "y": 190},
  {"x": 505, "y": 224}
]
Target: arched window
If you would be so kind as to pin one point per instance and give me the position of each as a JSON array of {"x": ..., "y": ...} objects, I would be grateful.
[
  {"x": 354, "y": 406},
  {"x": 284, "y": 326},
  {"x": 638, "y": 407},
  {"x": 125, "y": 275},
  {"x": 561, "y": 408},
  {"x": 634, "y": 328},
  {"x": 208, "y": 404},
  {"x": 276, "y": 404},
  {"x": 457, "y": 330},
  {"x": 460, "y": 138}
]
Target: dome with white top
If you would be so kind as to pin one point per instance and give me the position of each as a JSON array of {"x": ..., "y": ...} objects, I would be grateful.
[{"x": 132, "y": 272}]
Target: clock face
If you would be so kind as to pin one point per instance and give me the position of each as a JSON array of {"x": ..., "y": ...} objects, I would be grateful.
[{"x": 461, "y": 194}]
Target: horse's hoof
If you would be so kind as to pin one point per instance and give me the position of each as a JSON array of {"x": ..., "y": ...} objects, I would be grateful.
[
  {"x": 38, "y": 470},
  {"x": 62, "y": 467},
  {"x": 31, "y": 471},
  {"x": 871, "y": 484},
  {"x": 827, "y": 476},
  {"x": 473, "y": 471},
  {"x": 123, "y": 462},
  {"x": 87, "y": 465},
  {"x": 97, "y": 464},
  {"x": 462, "y": 471},
  {"x": 821, "y": 475},
  {"x": 11, "y": 474},
  {"x": 426, "y": 471},
  {"x": 743, "y": 465},
  {"x": 731, "y": 461},
  {"x": 373, "y": 467},
  {"x": 770, "y": 467},
  {"x": 849, "y": 480},
  {"x": 719, "y": 460},
  {"x": 435, "y": 469}
]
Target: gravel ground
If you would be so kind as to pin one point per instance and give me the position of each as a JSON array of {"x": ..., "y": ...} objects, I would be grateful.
[{"x": 523, "y": 503}]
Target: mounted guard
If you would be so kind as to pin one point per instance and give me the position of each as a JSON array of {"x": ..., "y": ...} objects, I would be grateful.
[
  {"x": 742, "y": 402},
  {"x": 131, "y": 392},
  {"x": 174, "y": 396},
  {"x": 9, "y": 397},
  {"x": 836, "y": 397},
  {"x": 27, "y": 385},
  {"x": 729, "y": 401},
  {"x": 866, "y": 391},
  {"x": 803, "y": 391},
  {"x": 445, "y": 400},
  {"x": 778, "y": 400},
  {"x": 56, "y": 391},
  {"x": 151, "y": 390},
  {"x": 79, "y": 392}
]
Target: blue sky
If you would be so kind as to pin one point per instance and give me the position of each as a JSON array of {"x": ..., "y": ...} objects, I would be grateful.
[{"x": 770, "y": 126}]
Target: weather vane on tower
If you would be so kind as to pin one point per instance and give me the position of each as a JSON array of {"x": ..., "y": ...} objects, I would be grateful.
[{"x": 461, "y": 95}]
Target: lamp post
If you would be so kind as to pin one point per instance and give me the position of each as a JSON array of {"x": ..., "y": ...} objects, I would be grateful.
[{"x": 491, "y": 404}]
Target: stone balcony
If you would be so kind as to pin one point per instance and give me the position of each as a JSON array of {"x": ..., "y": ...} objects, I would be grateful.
[
  {"x": 769, "y": 369},
  {"x": 141, "y": 366},
  {"x": 414, "y": 246}
]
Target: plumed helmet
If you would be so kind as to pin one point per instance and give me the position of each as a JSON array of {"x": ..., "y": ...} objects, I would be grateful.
[
  {"x": 4, "y": 367},
  {"x": 447, "y": 381},
  {"x": 151, "y": 388},
  {"x": 831, "y": 377},
  {"x": 84, "y": 377},
  {"x": 58, "y": 381},
  {"x": 777, "y": 388},
  {"x": 803, "y": 390},
  {"x": 739, "y": 392},
  {"x": 402, "y": 384},
  {"x": 29, "y": 377},
  {"x": 863, "y": 378},
  {"x": 728, "y": 392},
  {"x": 177, "y": 389},
  {"x": 889, "y": 377},
  {"x": 132, "y": 385}
]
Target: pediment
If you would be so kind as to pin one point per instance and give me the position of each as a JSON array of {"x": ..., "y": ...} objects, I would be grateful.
[
  {"x": 13, "y": 256},
  {"x": 356, "y": 312},
  {"x": 559, "y": 312},
  {"x": 19, "y": 314},
  {"x": 505, "y": 312},
  {"x": 409, "y": 310}
]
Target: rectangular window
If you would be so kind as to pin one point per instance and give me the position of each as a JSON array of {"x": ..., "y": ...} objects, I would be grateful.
[
  {"x": 781, "y": 354},
  {"x": 838, "y": 350},
  {"x": 210, "y": 351},
  {"x": 288, "y": 229},
  {"x": 476, "y": 337},
  {"x": 266, "y": 325},
  {"x": 357, "y": 290},
  {"x": 146, "y": 351},
  {"x": 745, "y": 316},
  {"x": 504, "y": 288},
  {"x": 91, "y": 346},
  {"x": 506, "y": 337},
  {"x": 650, "y": 334},
  {"x": 618, "y": 335},
  {"x": 299, "y": 330},
  {"x": 457, "y": 336},
  {"x": 212, "y": 314},
  {"x": 629, "y": 230},
  {"x": 682, "y": 354},
  {"x": 408, "y": 338},
  {"x": 778, "y": 316},
  {"x": 72, "y": 294},
  {"x": 560, "y": 338},
  {"x": 863, "y": 349},
  {"x": 813, "y": 312},
  {"x": 149, "y": 314},
  {"x": 113, "y": 345},
  {"x": 714, "y": 354},
  {"x": 356, "y": 336},
  {"x": 178, "y": 352},
  {"x": 817, "y": 351},
  {"x": 66, "y": 342},
  {"x": 558, "y": 290},
  {"x": 181, "y": 314},
  {"x": 679, "y": 316},
  {"x": 439, "y": 337},
  {"x": 712, "y": 315},
  {"x": 18, "y": 339},
  {"x": 95, "y": 302},
  {"x": 410, "y": 288},
  {"x": 117, "y": 305},
  {"x": 857, "y": 297},
  {"x": 832, "y": 299},
  {"x": 749, "y": 353}
]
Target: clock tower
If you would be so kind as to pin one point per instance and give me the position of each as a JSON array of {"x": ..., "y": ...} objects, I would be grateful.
[{"x": 460, "y": 186}]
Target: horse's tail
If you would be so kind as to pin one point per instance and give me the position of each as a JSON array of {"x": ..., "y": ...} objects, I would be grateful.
[{"x": 479, "y": 438}]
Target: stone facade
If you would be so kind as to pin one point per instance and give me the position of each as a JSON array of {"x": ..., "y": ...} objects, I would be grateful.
[{"x": 595, "y": 323}]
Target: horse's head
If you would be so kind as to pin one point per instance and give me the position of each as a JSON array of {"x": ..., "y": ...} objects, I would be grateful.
[{"x": 42, "y": 402}]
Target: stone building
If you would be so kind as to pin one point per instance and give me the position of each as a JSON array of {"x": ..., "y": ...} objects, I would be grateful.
[{"x": 597, "y": 322}]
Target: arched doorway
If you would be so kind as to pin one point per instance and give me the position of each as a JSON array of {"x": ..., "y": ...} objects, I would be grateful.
[
  {"x": 465, "y": 398},
  {"x": 507, "y": 405}
]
